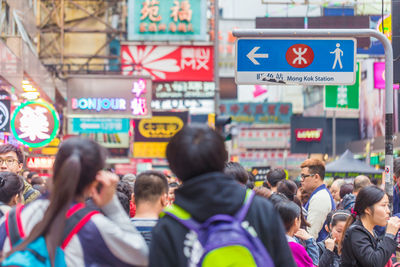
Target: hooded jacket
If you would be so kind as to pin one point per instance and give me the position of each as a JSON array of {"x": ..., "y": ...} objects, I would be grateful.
[
  {"x": 207, "y": 195},
  {"x": 360, "y": 248}
]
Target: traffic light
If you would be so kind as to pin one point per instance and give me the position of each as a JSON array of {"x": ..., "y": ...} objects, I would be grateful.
[{"x": 220, "y": 123}]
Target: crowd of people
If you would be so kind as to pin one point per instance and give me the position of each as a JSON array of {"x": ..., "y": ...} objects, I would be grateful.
[{"x": 212, "y": 215}]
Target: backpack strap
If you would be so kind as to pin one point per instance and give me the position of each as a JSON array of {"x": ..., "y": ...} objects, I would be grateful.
[
  {"x": 15, "y": 231},
  {"x": 77, "y": 217},
  {"x": 29, "y": 193},
  {"x": 181, "y": 216},
  {"x": 248, "y": 199}
]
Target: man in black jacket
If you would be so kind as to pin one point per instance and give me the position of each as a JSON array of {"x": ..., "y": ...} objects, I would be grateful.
[{"x": 197, "y": 156}]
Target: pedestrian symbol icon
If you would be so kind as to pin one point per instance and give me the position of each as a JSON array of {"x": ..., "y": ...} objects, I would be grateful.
[{"x": 338, "y": 54}]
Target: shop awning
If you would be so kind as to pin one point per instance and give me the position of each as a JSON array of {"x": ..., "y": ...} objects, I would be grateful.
[{"x": 347, "y": 167}]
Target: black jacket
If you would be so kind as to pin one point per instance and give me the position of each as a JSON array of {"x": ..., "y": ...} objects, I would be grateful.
[
  {"x": 328, "y": 258},
  {"x": 208, "y": 195},
  {"x": 360, "y": 248}
]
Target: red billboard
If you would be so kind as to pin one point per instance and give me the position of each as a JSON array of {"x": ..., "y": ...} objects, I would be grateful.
[{"x": 169, "y": 62}]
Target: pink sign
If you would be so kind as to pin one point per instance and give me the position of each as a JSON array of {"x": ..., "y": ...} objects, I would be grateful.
[{"x": 379, "y": 76}]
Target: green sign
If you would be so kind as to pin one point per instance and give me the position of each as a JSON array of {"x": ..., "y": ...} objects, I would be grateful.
[
  {"x": 343, "y": 96},
  {"x": 35, "y": 123},
  {"x": 167, "y": 20}
]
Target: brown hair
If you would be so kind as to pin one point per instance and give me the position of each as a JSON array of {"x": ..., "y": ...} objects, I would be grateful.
[
  {"x": 315, "y": 166},
  {"x": 149, "y": 186}
]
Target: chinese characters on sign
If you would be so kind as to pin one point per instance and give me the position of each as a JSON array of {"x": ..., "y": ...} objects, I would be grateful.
[
  {"x": 35, "y": 123},
  {"x": 184, "y": 90},
  {"x": 40, "y": 162},
  {"x": 264, "y": 138},
  {"x": 158, "y": 20},
  {"x": 262, "y": 113},
  {"x": 172, "y": 63},
  {"x": 105, "y": 97}
]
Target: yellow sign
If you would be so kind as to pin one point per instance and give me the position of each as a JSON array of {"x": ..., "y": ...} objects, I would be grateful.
[
  {"x": 149, "y": 149},
  {"x": 387, "y": 25},
  {"x": 160, "y": 126}
]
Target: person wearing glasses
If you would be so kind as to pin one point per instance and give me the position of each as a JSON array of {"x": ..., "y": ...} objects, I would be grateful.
[
  {"x": 12, "y": 160},
  {"x": 321, "y": 201}
]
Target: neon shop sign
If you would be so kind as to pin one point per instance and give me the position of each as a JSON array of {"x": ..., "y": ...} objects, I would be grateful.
[
  {"x": 98, "y": 104},
  {"x": 138, "y": 104}
]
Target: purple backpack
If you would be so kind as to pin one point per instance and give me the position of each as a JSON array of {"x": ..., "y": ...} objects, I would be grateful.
[{"x": 226, "y": 240}]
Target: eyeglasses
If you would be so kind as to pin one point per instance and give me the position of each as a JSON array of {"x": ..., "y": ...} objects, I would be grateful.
[
  {"x": 304, "y": 176},
  {"x": 8, "y": 162}
]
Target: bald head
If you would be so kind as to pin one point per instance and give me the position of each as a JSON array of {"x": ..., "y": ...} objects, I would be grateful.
[{"x": 360, "y": 182}]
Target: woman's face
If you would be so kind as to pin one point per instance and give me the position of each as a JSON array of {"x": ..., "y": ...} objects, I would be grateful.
[
  {"x": 337, "y": 231},
  {"x": 381, "y": 212}
]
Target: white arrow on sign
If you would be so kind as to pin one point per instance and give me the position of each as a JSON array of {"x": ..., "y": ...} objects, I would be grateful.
[{"x": 252, "y": 55}]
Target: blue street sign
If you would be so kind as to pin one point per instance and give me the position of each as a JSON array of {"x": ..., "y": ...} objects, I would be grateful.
[
  {"x": 91, "y": 125},
  {"x": 295, "y": 61}
]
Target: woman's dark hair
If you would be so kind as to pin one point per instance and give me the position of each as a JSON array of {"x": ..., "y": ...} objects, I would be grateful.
[
  {"x": 337, "y": 216},
  {"x": 76, "y": 165},
  {"x": 275, "y": 175},
  {"x": 366, "y": 198},
  {"x": 237, "y": 172},
  {"x": 11, "y": 184},
  {"x": 289, "y": 189},
  {"x": 345, "y": 189},
  {"x": 288, "y": 211},
  {"x": 196, "y": 150},
  {"x": 125, "y": 188}
]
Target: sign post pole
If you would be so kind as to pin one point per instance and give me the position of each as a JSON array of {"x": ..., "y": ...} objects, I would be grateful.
[{"x": 389, "y": 92}]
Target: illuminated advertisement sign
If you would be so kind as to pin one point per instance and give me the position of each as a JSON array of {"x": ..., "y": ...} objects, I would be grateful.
[
  {"x": 169, "y": 62},
  {"x": 379, "y": 76},
  {"x": 35, "y": 123},
  {"x": 40, "y": 163},
  {"x": 308, "y": 135},
  {"x": 152, "y": 135},
  {"x": 109, "y": 96},
  {"x": 167, "y": 20}
]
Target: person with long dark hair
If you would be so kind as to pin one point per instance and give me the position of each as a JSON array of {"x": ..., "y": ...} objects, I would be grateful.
[
  {"x": 360, "y": 245},
  {"x": 105, "y": 239}
]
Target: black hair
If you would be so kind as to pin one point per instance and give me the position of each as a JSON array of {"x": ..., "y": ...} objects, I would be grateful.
[
  {"x": 125, "y": 188},
  {"x": 76, "y": 166},
  {"x": 11, "y": 184},
  {"x": 37, "y": 180},
  {"x": 196, "y": 150},
  {"x": 288, "y": 211},
  {"x": 11, "y": 148},
  {"x": 275, "y": 175},
  {"x": 149, "y": 186},
  {"x": 124, "y": 200},
  {"x": 345, "y": 189},
  {"x": 276, "y": 198},
  {"x": 237, "y": 172},
  {"x": 288, "y": 188},
  {"x": 337, "y": 216},
  {"x": 366, "y": 198},
  {"x": 31, "y": 174}
]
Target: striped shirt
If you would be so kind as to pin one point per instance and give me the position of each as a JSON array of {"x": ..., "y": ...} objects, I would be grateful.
[{"x": 145, "y": 226}]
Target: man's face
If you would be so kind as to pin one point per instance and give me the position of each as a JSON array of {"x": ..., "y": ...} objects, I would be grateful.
[
  {"x": 9, "y": 162},
  {"x": 308, "y": 180}
]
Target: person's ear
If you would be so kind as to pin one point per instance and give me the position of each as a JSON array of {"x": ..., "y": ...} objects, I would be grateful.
[
  {"x": 327, "y": 228},
  {"x": 20, "y": 165},
  {"x": 164, "y": 200},
  {"x": 133, "y": 198},
  {"x": 368, "y": 211}
]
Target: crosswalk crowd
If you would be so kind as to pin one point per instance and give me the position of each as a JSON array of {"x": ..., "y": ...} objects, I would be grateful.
[{"x": 211, "y": 215}]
